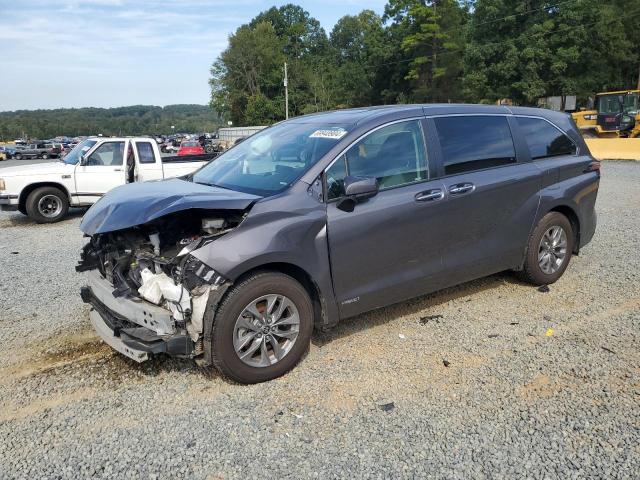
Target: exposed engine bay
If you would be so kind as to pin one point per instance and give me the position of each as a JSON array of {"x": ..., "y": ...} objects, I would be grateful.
[{"x": 153, "y": 262}]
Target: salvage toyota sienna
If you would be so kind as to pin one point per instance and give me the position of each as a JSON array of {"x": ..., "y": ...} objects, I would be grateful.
[{"x": 326, "y": 216}]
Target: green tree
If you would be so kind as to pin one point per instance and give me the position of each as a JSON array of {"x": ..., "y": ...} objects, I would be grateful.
[
  {"x": 247, "y": 72},
  {"x": 541, "y": 48},
  {"x": 134, "y": 120},
  {"x": 431, "y": 35},
  {"x": 247, "y": 78},
  {"x": 358, "y": 45}
]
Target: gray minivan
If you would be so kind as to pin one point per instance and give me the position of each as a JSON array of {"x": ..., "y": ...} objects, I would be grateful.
[{"x": 325, "y": 216}]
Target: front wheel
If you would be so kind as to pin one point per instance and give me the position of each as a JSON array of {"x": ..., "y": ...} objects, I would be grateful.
[
  {"x": 44, "y": 156},
  {"x": 47, "y": 205},
  {"x": 262, "y": 328},
  {"x": 549, "y": 250},
  {"x": 18, "y": 156}
]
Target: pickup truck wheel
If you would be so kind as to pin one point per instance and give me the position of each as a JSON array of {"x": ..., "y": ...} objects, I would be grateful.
[
  {"x": 47, "y": 205},
  {"x": 549, "y": 250},
  {"x": 262, "y": 328},
  {"x": 44, "y": 156},
  {"x": 18, "y": 156}
]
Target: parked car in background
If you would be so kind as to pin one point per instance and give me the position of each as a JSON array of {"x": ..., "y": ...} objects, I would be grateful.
[
  {"x": 326, "y": 216},
  {"x": 45, "y": 191},
  {"x": 36, "y": 150},
  {"x": 190, "y": 147}
]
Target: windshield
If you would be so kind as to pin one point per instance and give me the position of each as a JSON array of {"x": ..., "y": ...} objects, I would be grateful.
[
  {"x": 631, "y": 103},
  {"x": 609, "y": 104},
  {"x": 271, "y": 160},
  {"x": 74, "y": 155}
]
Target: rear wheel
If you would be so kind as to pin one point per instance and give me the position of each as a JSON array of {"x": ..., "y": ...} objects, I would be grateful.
[
  {"x": 44, "y": 156},
  {"x": 262, "y": 328},
  {"x": 47, "y": 205},
  {"x": 549, "y": 250},
  {"x": 18, "y": 156}
]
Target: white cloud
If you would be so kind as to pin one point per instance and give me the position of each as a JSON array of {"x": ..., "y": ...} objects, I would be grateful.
[{"x": 117, "y": 52}]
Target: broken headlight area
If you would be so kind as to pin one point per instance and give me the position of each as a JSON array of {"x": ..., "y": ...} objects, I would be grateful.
[{"x": 154, "y": 262}]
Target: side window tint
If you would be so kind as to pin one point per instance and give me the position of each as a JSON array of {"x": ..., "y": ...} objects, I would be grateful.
[
  {"x": 107, "y": 154},
  {"x": 145, "y": 152},
  {"x": 334, "y": 178},
  {"x": 474, "y": 142},
  {"x": 543, "y": 139}
]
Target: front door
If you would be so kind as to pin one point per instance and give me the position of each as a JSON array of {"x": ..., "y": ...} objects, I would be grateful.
[
  {"x": 389, "y": 247},
  {"x": 103, "y": 170}
]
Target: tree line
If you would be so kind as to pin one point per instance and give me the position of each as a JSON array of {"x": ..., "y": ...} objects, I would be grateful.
[
  {"x": 132, "y": 120},
  {"x": 426, "y": 51}
]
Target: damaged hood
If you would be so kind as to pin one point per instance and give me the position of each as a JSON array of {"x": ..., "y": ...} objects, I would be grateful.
[{"x": 139, "y": 203}]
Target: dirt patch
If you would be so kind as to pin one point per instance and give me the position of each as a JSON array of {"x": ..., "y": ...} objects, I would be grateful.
[
  {"x": 542, "y": 386},
  {"x": 16, "y": 412},
  {"x": 73, "y": 349}
]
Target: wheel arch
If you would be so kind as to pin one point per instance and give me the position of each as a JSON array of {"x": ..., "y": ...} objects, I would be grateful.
[
  {"x": 26, "y": 191},
  {"x": 301, "y": 276}
]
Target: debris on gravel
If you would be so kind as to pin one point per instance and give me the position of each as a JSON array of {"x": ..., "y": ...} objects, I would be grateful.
[
  {"x": 517, "y": 405},
  {"x": 428, "y": 318}
]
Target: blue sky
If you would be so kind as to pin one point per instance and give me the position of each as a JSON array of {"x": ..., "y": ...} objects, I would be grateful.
[{"x": 107, "y": 53}]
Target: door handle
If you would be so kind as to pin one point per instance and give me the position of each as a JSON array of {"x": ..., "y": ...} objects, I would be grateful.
[
  {"x": 117, "y": 169},
  {"x": 429, "y": 195},
  {"x": 461, "y": 188}
]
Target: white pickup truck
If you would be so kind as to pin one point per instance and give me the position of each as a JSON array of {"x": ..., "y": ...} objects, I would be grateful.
[{"x": 45, "y": 191}]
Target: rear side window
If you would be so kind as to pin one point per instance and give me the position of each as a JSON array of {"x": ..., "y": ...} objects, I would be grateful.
[
  {"x": 544, "y": 139},
  {"x": 474, "y": 143},
  {"x": 145, "y": 152}
]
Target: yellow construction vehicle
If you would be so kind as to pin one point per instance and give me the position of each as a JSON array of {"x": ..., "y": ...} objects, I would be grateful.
[{"x": 617, "y": 114}]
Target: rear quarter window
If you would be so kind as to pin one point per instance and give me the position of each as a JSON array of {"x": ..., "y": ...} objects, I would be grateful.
[
  {"x": 145, "y": 152},
  {"x": 545, "y": 140},
  {"x": 476, "y": 142}
]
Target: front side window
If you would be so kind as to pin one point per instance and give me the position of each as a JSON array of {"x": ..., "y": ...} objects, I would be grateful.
[
  {"x": 394, "y": 155},
  {"x": 145, "y": 152},
  {"x": 109, "y": 154},
  {"x": 474, "y": 143},
  {"x": 544, "y": 140}
]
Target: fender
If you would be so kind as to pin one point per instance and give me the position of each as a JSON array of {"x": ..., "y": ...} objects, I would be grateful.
[
  {"x": 283, "y": 234},
  {"x": 27, "y": 189}
]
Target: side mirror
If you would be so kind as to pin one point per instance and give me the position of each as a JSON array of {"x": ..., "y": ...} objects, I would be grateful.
[
  {"x": 361, "y": 187},
  {"x": 357, "y": 189},
  {"x": 83, "y": 160}
]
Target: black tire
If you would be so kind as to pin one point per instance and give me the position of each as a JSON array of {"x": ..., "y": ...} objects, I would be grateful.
[
  {"x": 44, "y": 156},
  {"x": 532, "y": 272},
  {"x": 18, "y": 156},
  {"x": 33, "y": 200},
  {"x": 225, "y": 358}
]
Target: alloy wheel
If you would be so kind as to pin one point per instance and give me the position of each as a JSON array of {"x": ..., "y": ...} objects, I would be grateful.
[
  {"x": 266, "y": 330},
  {"x": 552, "y": 250}
]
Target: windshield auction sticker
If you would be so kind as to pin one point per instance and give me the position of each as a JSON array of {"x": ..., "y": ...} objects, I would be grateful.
[{"x": 333, "y": 133}]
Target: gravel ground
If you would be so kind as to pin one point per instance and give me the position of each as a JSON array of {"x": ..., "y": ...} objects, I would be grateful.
[{"x": 508, "y": 382}]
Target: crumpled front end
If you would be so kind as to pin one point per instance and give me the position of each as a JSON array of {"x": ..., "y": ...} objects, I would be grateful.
[{"x": 148, "y": 293}]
